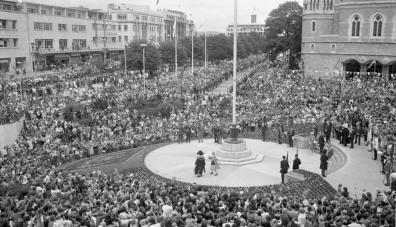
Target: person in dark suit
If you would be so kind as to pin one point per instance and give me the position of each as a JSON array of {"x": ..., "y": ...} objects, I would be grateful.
[
  {"x": 321, "y": 142},
  {"x": 264, "y": 130},
  {"x": 324, "y": 163},
  {"x": 328, "y": 129},
  {"x": 290, "y": 135},
  {"x": 345, "y": 134},
  {"x": 296, "y": 163},
  {"x": 359, "y": 133},
  {"x": 352, "y": 136},
  {"x": 284, "y": 167}
]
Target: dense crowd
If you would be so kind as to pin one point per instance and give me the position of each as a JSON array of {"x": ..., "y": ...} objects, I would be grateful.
[{"x": 71, "y": 115}]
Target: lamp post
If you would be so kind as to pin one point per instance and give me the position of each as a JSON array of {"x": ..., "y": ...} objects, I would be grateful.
[{"x": 144, "y": 68}]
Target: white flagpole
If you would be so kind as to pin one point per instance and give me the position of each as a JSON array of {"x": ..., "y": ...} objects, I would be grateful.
[
  {"x": 206, "y": 57},
  {"x": 176, "y": 55},
  {"x": 192, "y": 52},
  {"x": 235, "y": 64},
  {"x": 125, "y": 61}
]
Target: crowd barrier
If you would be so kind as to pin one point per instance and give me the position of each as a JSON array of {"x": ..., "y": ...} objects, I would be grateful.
[{"x": 10, "y": 132}]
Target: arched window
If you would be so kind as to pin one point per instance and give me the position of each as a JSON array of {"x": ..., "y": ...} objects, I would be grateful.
[
  {"x": 313, "y": 26},
  {"x": 356, "y": 26},
  {"x": 377, "y": 28}
]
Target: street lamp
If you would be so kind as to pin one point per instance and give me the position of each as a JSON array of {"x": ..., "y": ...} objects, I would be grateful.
[{"x": 144, "y": 67}]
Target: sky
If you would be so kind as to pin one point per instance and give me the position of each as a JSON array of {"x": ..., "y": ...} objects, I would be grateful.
[{"x": 209, "y": 15}]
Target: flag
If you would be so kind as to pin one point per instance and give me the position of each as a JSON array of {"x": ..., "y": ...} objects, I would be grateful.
[
  {"x": 374, "y": 62},
  {"x": 174, "y": 29},
  {"x": 157, "y": 2}
]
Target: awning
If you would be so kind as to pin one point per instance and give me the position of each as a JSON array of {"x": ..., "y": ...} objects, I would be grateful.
[{"x": 62, "y": 56}]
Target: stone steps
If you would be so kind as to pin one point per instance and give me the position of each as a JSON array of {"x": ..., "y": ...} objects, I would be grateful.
[
  {"x": 337, "y": 161},
  {"x": 254, "y": 158}
]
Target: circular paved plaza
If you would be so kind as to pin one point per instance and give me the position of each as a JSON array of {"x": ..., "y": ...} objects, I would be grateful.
[{"x": 176, "y": 161}]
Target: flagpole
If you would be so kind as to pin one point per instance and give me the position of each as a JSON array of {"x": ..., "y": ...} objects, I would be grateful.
[
  {"x": 206, "y": 59},
  {"x": 176, "y": 55},
  {"x": 125, "y": 61},
  {"x": 192, "y": 52},
  {"x": 235, "y": 64}
]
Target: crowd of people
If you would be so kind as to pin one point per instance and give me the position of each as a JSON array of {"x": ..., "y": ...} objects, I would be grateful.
[{"x": 71, "y": 115}]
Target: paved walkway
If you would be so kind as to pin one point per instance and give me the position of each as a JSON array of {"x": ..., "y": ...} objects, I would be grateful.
[
  {"x": 224, "y": 87},
  {"x": 359, "y": 173}
]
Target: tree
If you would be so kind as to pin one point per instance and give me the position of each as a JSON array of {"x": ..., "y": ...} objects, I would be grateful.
[
  {"x": 135, "y": 57},
  {"x": 284, "y": 31}
]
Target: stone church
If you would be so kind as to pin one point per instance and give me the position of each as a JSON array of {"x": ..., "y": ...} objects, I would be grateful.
[{"x": 349, "y": 37}]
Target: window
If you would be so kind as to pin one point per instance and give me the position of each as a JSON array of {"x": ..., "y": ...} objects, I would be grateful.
[
  {"x": 377, "y": 28},
  {"x": 14, "y": 22},
  {"x": 119, "y": 38},
  {"x": 119, "y": 27},
  {"x": 71, "y": 13},
  {"x": 78, "y": 28},
  {"x": 58, "y": 12},
  {"x": 356, "y": 26},
  {"x": 62, "y": 27},
  {"x": 144, "y": 18},
  {"x": 42, "y": 26},
  {"x": 4, "y": 42},
  {"x": 44, "y": 44},
  {"x": 313, "y": 25},
  {"x": 48, "y": 44},
  {"x": 15, "y": 42},
  {"x": 3, "y": 24},
  {"x": 44, "y": 12},
  {"x": 62, "y": 44},
  {"x": 113, "y": 39},
  {"x": 312, "y": 47},
  {"x": 125, "y": 27},
  {"x": 121, "y": 16},
  {"x": 31, "y": 10},
  {"x": 7, "y": 7},
  {"x": 79, "y": 44},
  {"x": 113, "y": 27},
  {"x": 137, "y": 17},
  {"x": 126, "y": 39}
]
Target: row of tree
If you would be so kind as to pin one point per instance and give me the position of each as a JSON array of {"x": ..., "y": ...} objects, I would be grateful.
[
  {"x": 284, "y": 33},
  {"x": 219, "y": 47}
]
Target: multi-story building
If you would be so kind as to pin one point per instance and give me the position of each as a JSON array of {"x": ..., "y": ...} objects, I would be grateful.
[
  {"x": 357, "y": 37},
  {"x": 137, "y": 23},
  {"x": 14, "y": 49},
  {"x": 244, "y": 29},
  {"x": 34, "y": 36},
  {"x": 64, "y": 36},
  {"x": 184, "y": 27}
]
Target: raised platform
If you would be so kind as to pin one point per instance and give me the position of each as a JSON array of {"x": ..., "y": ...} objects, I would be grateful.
[
  {"x": 176, "y": 161},
  {"x": 235, "y": 152}
]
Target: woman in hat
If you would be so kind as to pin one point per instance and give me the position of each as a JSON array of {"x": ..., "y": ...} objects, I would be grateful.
[{"x": 199, "y": 164}]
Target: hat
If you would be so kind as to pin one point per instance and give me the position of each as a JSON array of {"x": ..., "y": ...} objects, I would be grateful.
[{"x": 200, "y": 152}]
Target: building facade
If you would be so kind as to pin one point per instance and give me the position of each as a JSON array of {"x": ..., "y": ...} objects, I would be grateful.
[
  {"x": 14, "y": 48},
  {"x": 353, "y": 37},
  {"x": 244, "y": 29},
  {"x": 137, "y": 23},
  {"x": 184, "y": 27},
  {"x": 35, "y": 36}
]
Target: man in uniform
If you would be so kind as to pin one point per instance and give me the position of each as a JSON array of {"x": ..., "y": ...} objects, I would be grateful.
[{"x": 284, "y": 167}]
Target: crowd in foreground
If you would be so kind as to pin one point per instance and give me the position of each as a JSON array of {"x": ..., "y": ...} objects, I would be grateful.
[{"x": 272, "y": 103}]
